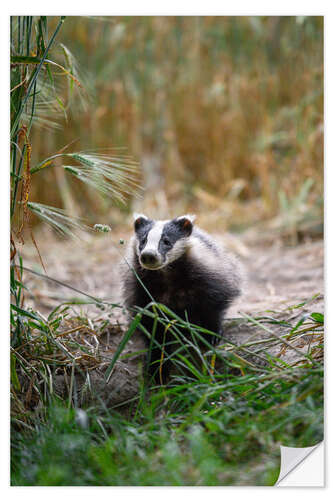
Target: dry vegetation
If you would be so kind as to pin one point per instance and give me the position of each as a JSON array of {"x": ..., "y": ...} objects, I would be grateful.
[{"x": 225, "y": 115}]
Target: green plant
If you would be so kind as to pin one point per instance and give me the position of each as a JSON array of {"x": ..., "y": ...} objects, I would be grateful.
[
  {"x": 36, "y": 99},
  {"x": 207, "y": 426}
]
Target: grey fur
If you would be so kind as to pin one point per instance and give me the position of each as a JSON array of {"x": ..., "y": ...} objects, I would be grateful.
[{"x": 193, "y": 276}]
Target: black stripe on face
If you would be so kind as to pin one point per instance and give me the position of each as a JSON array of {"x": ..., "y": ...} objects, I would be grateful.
[
  {"x": 172, "y": 232},
  {"x": 142, "y": 233}
]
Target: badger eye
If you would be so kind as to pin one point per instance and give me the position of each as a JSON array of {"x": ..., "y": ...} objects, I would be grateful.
[{"x": 166, "y": 242}]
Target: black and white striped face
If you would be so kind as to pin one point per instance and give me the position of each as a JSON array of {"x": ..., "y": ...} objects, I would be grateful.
[{"x": 161, "y": 242}]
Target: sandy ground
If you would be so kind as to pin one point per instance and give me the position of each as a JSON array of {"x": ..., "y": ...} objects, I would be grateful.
[{"x": 278, "y": 277}]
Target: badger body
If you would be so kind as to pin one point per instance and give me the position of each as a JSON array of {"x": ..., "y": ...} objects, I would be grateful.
[{"x": 183, "y": 268}]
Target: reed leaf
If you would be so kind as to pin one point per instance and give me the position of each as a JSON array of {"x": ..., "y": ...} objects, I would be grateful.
[
  {"x": 63, "y": 223},
  {"x": 115, "y": 175},
  {"x": 32, "y": 81}
]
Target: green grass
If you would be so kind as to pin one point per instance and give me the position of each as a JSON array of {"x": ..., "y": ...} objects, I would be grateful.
[
  {"x": 199, "y": 429},
  {"x": 186, "y": 435}
]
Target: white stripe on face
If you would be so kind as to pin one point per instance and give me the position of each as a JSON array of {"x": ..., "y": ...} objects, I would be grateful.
[{"x": 154, "y": 237}]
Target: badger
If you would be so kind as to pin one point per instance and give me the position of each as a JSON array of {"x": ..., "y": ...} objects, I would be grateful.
[{"x": 174, "y": 263}]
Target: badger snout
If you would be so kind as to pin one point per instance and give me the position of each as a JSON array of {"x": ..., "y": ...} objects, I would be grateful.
[{"x": 150, "y": 259}]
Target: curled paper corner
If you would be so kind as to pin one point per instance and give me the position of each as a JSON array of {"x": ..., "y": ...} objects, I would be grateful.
[{"x": 301, "y": 466}]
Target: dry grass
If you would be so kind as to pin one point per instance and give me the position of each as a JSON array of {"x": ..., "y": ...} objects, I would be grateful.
[
  {"x": 224, "y": 114},
  {"x": 80, "y": 359}
]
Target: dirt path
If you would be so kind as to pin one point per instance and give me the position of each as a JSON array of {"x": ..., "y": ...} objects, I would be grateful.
[{"x": 278, "y": 277}]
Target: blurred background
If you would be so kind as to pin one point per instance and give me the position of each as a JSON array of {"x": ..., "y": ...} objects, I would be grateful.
[{"x": 223, "y": 114}]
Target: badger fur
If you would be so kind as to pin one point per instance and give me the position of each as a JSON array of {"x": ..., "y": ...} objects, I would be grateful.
[{"x": 183, "y": 268}]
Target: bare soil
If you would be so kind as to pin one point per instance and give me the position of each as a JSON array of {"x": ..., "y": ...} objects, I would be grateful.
[{"x": 278, "y": 279}]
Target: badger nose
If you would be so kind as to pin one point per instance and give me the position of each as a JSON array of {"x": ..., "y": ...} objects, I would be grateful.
[{"x": 149, "y": 258}]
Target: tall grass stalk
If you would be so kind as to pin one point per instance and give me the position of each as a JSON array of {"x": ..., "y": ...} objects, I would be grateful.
[{"x": 36, "y": 88}]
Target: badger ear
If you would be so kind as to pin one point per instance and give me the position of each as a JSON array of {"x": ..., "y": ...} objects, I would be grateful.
[
  {"x": 140, "y": 220},
  {"x": 185, "y": 223}
]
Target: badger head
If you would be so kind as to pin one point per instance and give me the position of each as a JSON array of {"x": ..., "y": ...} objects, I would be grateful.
[{"x": 158, "y": 243}]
